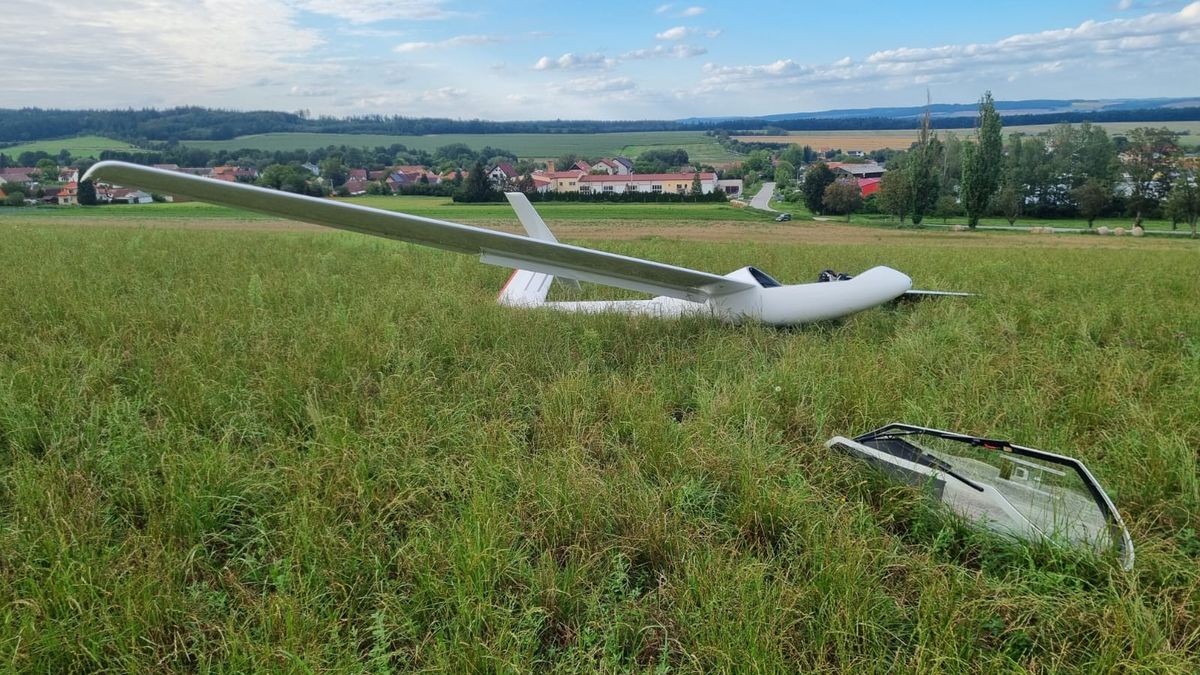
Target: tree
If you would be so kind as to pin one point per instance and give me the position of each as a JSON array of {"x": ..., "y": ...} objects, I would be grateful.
[
  {"x": 947, "y": 207},
  {"x": 48, "y": 170},
  {"x": 1010, "y": 201},
  {"x": 842, "y": 197},
  {"x": 1093, "y": 197},
  {"x": 894, "y": 191},
  {"x": 525, "y": 184},
  {"x": 334, "y": 170},
  {"x": 1183, "y": 202},
  {"x": 816, "y": 179},
  {"x": 87, "y": 193},
  {"x": 15, "y": 198},
  {"x": 697, "y": 187},
  {"x": 1149, "y": 157},
  {"x": 477, "y": 187},
  {"x": 785, "y": 173},
  {"x": 922, "y": 168},
  {"x": 981, "y": 162}
]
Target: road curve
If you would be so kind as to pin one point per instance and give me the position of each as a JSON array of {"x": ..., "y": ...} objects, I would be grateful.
[{"x": 762, "y": 200}]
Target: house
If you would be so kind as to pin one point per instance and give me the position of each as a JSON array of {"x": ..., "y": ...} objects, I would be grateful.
[
  {"x": 311, "y": 168},
  {"x": 542, "y": 182},
  {"x": 731, "y": 186},
  {"x": 129, "y": 196},
  {"x": 503, "y": 173},
  {"x": 605, "y": 165},
  {"x": 233, "y": 174},
  {"x": 869, "y": 186},
  {"x": 658, "y": 183},
  {"x": 356, "y": 186},
  {"x": 583, "y": 166},
  {"x": 69, "y": 194},
  {"x": 859, "y": 171},
  {"x": 50, "y": 195},
  {"x": 358, "y": 174},
  {"x": 68, "y": 174},
  {"x": 856, "y": 153},
  {"x": 16, "y": 174},
  {"x": 564, "y": 181},
  {"x": 623, "y": 166}
]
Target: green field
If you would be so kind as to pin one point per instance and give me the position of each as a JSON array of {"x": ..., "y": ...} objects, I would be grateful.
[
  {"x": 80, "y": 146},
  {"x": 317, "y": 451},
  {"x": 434, "y": 207},
  {"x": 540, "y": 146}
]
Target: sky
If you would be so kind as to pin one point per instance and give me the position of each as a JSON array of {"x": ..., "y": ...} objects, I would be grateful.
[{"x": 610, "y": 60}]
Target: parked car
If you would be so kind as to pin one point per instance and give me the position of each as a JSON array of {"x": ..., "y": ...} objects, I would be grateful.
[{"x": 783, "y": 217}]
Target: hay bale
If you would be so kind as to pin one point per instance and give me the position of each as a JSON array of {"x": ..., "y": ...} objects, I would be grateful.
[
  {"x": 1138, "y": 231},
  {"x": 1119, "y": 232},
  {"x": 1102, "y": 230},
  {"x": 958, "y": 228}
]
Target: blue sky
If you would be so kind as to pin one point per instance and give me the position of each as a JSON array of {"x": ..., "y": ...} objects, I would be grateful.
[{"x": 615, "y": 59}]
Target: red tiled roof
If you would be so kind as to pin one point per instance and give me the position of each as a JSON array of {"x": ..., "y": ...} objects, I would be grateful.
[{"x": 643, "y": 177}]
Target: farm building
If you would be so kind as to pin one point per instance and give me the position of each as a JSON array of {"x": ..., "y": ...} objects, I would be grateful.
[
  {"x": 668, "y": 183},
  {"x": 869, "y": 186},
  {"x": 859, "y": 171}
]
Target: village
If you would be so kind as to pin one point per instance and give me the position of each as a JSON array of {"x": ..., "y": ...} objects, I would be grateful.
[{"x": 606, "y": 176}]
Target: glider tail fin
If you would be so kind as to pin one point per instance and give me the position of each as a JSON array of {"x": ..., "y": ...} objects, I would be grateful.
[
  {"x": 535, "y": 227},
  {"x": 525, "y": 289}
]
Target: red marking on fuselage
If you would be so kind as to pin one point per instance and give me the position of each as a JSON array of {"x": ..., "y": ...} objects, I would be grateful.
[{"x": 505, "y": 286}]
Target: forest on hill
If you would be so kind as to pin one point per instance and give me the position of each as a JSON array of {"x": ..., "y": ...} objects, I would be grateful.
[{"x": 194, "y": 123}]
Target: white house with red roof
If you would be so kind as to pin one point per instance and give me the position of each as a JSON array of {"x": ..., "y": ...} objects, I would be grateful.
[{"x": 503, "y": 174}]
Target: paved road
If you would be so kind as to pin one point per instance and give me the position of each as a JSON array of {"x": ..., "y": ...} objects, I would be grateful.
[{"x": 762, "y": 200}]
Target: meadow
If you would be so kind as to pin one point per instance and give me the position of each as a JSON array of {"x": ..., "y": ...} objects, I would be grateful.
[
  {"x": 900, "y": 139},
  {"x": 79, "y": 146},
  {"x": 538, "y": 146},
  {"x": 224, "y": 447}
]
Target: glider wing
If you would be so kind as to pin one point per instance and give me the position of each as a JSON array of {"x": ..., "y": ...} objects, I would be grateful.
[{"x": 496, "y": 248}]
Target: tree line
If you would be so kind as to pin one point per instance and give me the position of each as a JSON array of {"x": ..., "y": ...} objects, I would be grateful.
[
  {"x": 195, "y": 123},
  {"x": 1069, "y": 171}
]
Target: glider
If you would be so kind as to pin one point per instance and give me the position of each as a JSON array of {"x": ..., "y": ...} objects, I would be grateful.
[
  {"x": 1012, "y": 489},
  {"x": 746, "y": 294}
]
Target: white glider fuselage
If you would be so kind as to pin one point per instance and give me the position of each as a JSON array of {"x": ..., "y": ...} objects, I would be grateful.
[{"x": 776, "y": 305}]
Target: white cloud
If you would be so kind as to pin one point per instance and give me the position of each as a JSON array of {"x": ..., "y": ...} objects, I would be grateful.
[
  {"x": 676, "y": 33},
  {"x": 310, "y": 92},
  {"x": 663, "y": 9},
  {"x": 150, "y": 46},
  {"x": 1164, "y": 34},
  {"x": 663, "y": 51},
  {"x": 448, "y": 43},
  {"x": 368, "y": 12},
  {"x": 572, "y": 61},
  {"x": 595, "y": 85},
  {"x": 692, "y": 11}
]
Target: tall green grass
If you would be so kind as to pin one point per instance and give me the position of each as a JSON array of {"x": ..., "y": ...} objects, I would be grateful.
[{"x": 308, "y": 451}]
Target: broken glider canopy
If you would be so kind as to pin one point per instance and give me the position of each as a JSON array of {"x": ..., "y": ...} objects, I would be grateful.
[{"x": 1020, "y": 491}]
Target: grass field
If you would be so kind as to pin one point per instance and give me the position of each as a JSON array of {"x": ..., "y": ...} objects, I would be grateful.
[
  {"x": 434, "y": 207},
  {"x": 80, "y": 146},
  {"x": 900, "y": 139},
  {"x": 700, "y": 147},
  {"x": 315, "y": 451}
]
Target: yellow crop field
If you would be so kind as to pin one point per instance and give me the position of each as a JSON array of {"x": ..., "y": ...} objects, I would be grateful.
[{"x": 901, "y": 138}]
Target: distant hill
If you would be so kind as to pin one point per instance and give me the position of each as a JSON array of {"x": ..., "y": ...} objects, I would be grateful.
[
  {"x": 944, "y": 110},
  {"x": 174, "y": 125}
]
